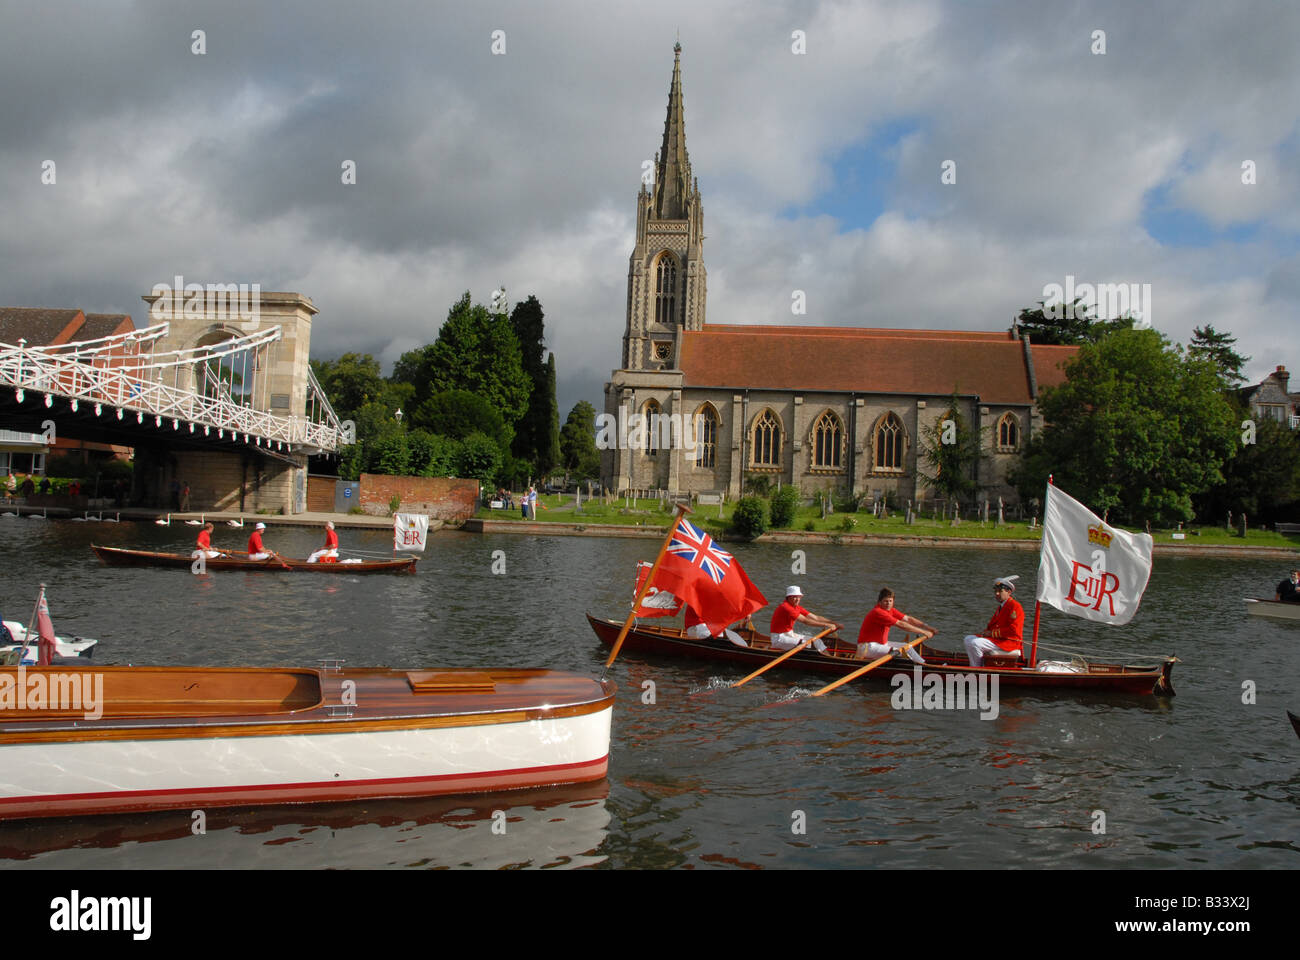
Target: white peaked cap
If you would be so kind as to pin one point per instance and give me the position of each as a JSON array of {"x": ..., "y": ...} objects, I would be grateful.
[
  {"x": 1009, "y": 581},
  {"x": 793, "y": 592},
  {"x": 260, "y": 526}
]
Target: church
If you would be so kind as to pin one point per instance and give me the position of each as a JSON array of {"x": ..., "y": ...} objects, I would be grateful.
[{"x": 842, "y": 410}]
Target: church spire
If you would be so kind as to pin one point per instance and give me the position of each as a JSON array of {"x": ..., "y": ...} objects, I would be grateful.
[{"x": 673, "y": 169}]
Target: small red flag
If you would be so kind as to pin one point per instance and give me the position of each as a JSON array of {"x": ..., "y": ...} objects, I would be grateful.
[{"x": 45, "y": 628}]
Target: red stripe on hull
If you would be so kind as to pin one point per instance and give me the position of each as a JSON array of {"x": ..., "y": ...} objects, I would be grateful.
[{"x": 274, "y": 793}]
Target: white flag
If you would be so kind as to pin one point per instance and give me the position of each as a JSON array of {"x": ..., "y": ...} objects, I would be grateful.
[
  {"x": 410, "y": 531},
  {"x": 1087, "y": 568}
]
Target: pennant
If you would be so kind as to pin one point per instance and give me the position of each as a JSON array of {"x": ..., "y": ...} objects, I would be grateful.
[{"x": 410, "y": 531}]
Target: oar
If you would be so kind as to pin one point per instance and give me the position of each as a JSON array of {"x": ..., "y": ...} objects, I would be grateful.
[
  {"x": 785, "y": 656},
  {"x": 871, "y": 666}
]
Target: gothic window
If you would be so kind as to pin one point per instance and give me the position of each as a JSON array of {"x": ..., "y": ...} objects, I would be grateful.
[
  {"x": 1008, "y": 433},
  {"x": 651, "y": 414},
  {"x": 827, "y": 441},
  {"x": 888, "y": 443},
  {"x": 766, "y": 446},
  {"x": 706, "y": 437},
  {"x": 666, "y": 289}
]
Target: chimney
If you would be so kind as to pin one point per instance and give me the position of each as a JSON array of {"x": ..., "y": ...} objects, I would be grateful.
[{"x": 1282, "y": 377}]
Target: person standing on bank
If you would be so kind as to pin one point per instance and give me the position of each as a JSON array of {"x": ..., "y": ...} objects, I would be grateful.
[
  {"x": 789, "y": 613},
  {"x": 873, "y": 638},
  {"x": 1006, "y": 628}
]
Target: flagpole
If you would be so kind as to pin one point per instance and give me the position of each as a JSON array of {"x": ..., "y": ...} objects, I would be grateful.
[
  {"x": 27, "y": 640},
  {"x": 682, "y": 510},
  {"x": 1038, "y": 604}
]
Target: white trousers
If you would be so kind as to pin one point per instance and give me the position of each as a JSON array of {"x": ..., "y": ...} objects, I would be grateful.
[
  {"x": 874, "y": 650},
  {"x": 977, "y": 648},
  {"x": 315, "y": 557},
  {"x": 784, "y": 641},
  {"x": 700, "y": 631}
]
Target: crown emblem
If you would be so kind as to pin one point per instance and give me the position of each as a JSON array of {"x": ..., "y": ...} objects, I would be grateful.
[{"x": 1100, "y": 535}]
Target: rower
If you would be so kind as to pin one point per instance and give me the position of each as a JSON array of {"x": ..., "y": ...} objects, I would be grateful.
[
  {"x": 255, "y": 549},
  {"x": 697, "y": 629},
  {"x": 204, "y": 542},
  {"x": 788, "y": 614},
  {"x": 330, "y": 554},
  {"x": 1288, "y": 591},
  {"x": 873, "y": 637},
  {"x": 1004, "y": 634}
]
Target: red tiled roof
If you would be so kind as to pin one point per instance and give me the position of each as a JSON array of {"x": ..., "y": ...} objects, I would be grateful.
[
  {"x": 1048, "y": 361},
  {"x": 862, "y": 359},
  {"x": 105, "y": 325},
  {"x": 38, "y": 326}
]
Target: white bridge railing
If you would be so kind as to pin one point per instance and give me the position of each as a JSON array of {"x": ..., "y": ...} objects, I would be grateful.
[{"x": 123, "y": 376}]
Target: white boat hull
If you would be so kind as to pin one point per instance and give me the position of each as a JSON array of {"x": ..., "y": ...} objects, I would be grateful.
[
  {"x": 120, "y": 775},
  {"x": 76, "y": 647},
  {"x": 1273, "y": 609}
]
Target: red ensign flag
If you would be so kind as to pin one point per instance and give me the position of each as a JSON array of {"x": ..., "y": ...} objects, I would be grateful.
[{"x": 709, "y": 580}]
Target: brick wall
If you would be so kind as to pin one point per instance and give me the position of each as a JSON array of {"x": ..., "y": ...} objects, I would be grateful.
[{"x": 443, "y": 498}]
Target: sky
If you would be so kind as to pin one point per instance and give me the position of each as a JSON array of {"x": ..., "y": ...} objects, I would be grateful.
[{"x": 501, "y": 143}]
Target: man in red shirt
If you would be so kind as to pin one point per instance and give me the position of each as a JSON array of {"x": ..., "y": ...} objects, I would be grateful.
[
  {"x": 204, "y": 541},
  {"x": 873, "y": 638},
  {"x": 330, "y": 554},
  {"x": 1005, "y": 632},
  {"x": 788, "y": 614},
  {"x": 255, "y": 549}
]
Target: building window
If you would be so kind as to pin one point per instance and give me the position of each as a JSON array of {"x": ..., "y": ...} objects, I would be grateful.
[
  {"x": 888, "y": 443},
  {"x": 1008, "y": 433},
  {"x": 706, "y": 439},
  {"x": 828, "y": 441},
  {"x": 666, "y": 289},
  {"x": 651, "y": 414},
  {"x": 766, "y": 448}
]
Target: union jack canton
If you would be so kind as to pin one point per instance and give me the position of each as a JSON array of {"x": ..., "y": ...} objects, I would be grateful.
[{"x": 698, "y": 549}]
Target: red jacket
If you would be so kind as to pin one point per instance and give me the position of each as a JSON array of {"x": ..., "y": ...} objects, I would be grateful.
[{"x": 1007, "y": 626}]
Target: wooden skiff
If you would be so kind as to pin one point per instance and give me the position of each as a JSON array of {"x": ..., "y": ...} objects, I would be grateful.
[
  {"x": 117, "y": 557},
  {"x": 1097, "y": 677},
  {"x": 120, "y": 739}
]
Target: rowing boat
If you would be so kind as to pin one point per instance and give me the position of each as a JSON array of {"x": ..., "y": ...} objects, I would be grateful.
[
  {"x": 117, "y": 557},
  {"x": 122, "y": 739},
  {"x": 839, "y": 660},
  {"x": 77, "y": 647},
  {"x": 1295, "y": 722},
  {"x": 1273, "y": 609}
]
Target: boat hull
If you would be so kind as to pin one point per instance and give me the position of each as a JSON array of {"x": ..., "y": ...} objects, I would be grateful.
[
  {"x": 77, "y": 647},
  {"x": 506, "y": 730},
  {"x": 117, "y": 557},
  {"x": 1100, "y": 678},
  {"x": 1273, "y": 609}
]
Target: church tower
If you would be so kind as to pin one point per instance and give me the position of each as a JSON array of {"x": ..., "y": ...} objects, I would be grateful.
[{"x": 666, "y": 280}]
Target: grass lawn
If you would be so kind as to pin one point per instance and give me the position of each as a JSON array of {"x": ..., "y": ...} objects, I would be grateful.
[{"x": 560, "y": 509}]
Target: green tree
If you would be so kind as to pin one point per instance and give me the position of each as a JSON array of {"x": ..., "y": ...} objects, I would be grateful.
[
  {"x": 1210, "y": 345},
  {"x": 950, "y": 449},
  {"x": 749, "y": 519},
  {"x": 479, "y": 458},
  {"x": 475, "y": 351},
  {"x": 578, "y": 453},
  {"x": 458, "y": 413},
  {"x": 784, "y": 504},
  {"x": 1137, "y": 429},
  {"x": 1263, "y": 477},
  {"x": 1065, "y": 324},
  {"x": 548, "y": 447},
  {"x": 350, "y": 382},
  {"x": 432, "y": 455}
]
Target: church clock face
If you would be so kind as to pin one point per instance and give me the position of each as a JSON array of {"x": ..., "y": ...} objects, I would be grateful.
[{"x": 663, "y": 351}]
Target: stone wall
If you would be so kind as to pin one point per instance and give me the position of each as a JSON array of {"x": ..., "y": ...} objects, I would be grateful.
[{"x": 443, "y": 498}]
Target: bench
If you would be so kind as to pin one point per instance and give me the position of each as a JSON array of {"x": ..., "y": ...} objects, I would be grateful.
[{"x": 1287, "y": 527}]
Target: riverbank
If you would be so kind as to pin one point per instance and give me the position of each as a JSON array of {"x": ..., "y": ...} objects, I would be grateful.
[
  {"x": 1182, "y": 548},
  {"x": 342, "y": 521}
]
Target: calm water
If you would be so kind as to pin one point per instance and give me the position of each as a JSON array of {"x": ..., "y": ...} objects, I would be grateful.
[{"x": 708, "y": 777}]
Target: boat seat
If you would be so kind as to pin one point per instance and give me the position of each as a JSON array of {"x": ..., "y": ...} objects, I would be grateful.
[{"x": 1004, "y": 661}]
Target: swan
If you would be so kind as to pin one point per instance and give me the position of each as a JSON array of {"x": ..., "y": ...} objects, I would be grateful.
[
  {"x": 81, "y": 519},
  {"x": 95, "y": 519},
  {"x": 195, "y": 523},
  {"x": 235, "y": 523},
  {"x": 164, "y": 523},
  {"x": 116, "y": 519},
  {"x": 32, "y": 516}
]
